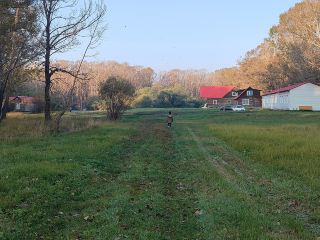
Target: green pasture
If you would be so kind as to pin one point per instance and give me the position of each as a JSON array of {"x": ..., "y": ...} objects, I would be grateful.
[{"x": 214, "y": 175}]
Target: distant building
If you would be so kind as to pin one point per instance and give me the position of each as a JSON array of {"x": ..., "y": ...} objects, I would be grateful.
[
  {"x": 249, "y": 97},
  {"x": 25, "y": 104},
  {"x": 218, "y": 96},
  {"x": 300, "y": 96}
]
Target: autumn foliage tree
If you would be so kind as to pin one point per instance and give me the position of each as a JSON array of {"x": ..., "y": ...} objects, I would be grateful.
[{"x": 291, "y": 53}]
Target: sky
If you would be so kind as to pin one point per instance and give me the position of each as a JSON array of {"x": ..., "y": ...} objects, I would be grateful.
[{"x": 184, "y": 34}]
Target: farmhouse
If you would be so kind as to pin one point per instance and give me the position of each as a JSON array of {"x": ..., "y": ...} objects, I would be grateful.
[
  {"x": 300, "y": 96},
  {"x": 249, "y": 97},
  {"x": 217, "y": 96},
  {"x": 25, "y": 104}
]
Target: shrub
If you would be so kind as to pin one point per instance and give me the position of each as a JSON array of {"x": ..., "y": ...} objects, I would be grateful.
[
  {"x": 118, "y": 94},
  {"x": 93, "y": 103},
  {"x": 143, "y": 101}
]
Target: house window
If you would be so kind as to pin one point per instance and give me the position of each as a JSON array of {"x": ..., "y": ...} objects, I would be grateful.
[
  {"x": 245, "y": 102},
  {"x": 249, "y": 93},
  {"x": 234, "y": 94},
  {"x": 215, "y": 102}
]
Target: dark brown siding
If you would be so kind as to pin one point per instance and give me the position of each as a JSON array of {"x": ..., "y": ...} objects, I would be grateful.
[
  {"x": 254, "y": 101},
  {"x": 221, "y": 102}
]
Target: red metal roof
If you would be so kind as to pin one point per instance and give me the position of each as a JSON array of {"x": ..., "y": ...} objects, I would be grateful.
[
  {"x": 215, "y": 91},
  {"x": 284, "y": 89}
]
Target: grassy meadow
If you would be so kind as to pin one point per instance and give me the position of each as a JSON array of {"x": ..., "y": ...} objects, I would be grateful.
[{"x": 214, "y": 175}]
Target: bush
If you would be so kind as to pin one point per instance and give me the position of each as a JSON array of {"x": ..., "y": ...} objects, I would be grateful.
[
  {"x": 93, "y": 103},
  {"x": 169, "y": 99},
  {"x": 165, "y": 98},
  {"x": 118, "y": 94},
  {"x": 195, "y": 103},
  {"x": 143, "y": 102}
]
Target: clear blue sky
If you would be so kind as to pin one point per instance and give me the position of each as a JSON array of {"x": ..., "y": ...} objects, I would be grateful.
[{"x": 202, "y": 34}]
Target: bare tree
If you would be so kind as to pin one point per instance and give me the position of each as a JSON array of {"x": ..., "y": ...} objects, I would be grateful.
[
  {"x": 78, "y": 77},
  {"x": 64, "y": 22}
]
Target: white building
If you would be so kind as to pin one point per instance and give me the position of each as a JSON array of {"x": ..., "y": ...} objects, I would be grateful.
[{"x": 301, "y": 96}]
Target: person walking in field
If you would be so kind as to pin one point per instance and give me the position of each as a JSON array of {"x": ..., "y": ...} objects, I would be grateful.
[{"x": 170, "y": 119}]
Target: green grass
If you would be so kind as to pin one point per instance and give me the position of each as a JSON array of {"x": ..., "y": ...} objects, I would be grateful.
[
  {"x": 291, "y": 147},
  {"x": 214, "y": 175}
]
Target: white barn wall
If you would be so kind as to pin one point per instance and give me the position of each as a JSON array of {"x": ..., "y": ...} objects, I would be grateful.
[
  {"x": 266, "y": 102},
  {"x": 278, "y": 101},
  {"x": 283, "y": 101},
  {"x": 305, "y": 95}
]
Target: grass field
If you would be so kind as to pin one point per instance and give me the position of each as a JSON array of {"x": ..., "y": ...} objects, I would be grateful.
[{"x": 214, "y": 175}]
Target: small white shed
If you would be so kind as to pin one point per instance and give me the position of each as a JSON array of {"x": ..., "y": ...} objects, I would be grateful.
[{"x": 301, "y": 96}]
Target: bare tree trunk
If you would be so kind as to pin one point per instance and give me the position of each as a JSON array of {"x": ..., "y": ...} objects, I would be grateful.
[
  {"x": 4, "y": 99},
  {"x": 1, "y": 104},
  {"x": 1, "y": 83},
  {"x": 5, "y": 108},
  {"x": 47, "y": 108},
  {"x": 4, "y": 102}
]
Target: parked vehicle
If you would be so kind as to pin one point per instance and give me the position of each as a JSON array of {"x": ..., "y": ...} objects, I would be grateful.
[
  {"x": 238, "y": 108},
  {"x": 226, "y": 108},
  {"x": 206, "y": 106}
]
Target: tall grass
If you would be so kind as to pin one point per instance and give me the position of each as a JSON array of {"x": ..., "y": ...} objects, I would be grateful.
[
  {"x": 32, "y": 125},
  {"x": 291, "y": 147}
]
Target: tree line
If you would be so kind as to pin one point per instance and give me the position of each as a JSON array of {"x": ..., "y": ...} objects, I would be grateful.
[
  {"x": 34, "y": 31},
  {"x": 290, "y": 54}
]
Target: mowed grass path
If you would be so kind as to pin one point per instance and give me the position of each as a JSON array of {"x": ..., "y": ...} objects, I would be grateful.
[{"x": 213, "y": 176}]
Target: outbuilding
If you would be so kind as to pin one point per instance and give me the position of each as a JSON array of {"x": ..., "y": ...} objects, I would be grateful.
[
  {"x": 25, "y": 104},
  {"x": 300, "y": 96}
]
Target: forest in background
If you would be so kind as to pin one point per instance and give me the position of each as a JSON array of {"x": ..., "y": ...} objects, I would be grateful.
[{"x": 290, "y": 54}]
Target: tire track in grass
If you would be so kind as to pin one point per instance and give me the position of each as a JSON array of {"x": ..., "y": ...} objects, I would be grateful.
[
  {"x": 156, "y": 202},
  {"x": 276, "y": 195},
  {"x": 222, "y": 207},
  {"x": 219, "y": 164},
  {"x": 251, "y": 184}
]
